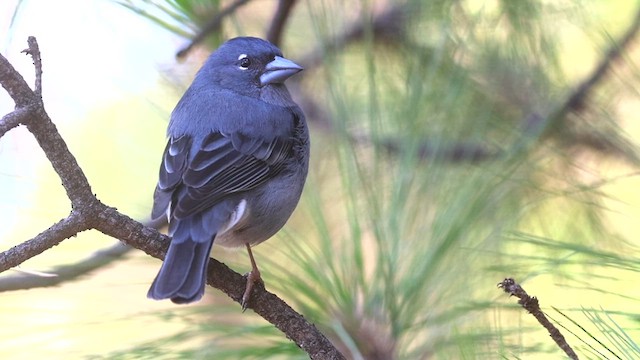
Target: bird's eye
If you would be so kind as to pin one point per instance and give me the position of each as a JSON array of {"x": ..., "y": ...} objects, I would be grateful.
[{"x": 244, "y": 61}]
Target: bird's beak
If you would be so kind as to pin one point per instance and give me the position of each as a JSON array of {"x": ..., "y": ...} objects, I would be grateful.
[{"x": 278, "y": 70}]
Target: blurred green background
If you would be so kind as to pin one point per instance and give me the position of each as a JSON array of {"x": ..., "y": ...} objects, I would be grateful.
[{"x": 439, "y": 167}]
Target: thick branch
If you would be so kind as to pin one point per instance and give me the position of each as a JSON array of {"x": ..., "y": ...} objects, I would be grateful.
[
  {"x": 264, "y": 303},
  {"x": 15, "y": 85},
  {"x": 64, "y": 163}
]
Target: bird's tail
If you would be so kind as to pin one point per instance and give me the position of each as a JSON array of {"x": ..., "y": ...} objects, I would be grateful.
[{"x": 182, "y": 276}]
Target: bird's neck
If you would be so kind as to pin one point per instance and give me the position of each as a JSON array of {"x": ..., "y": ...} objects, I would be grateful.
[{"x": 276, "y": 94}]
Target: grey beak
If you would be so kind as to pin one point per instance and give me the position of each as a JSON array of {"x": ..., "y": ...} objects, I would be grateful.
[{"x": 278, "y": 70}]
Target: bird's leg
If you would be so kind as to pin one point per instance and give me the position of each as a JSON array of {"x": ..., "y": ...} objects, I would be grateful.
[{"x": 252, "y": 278}]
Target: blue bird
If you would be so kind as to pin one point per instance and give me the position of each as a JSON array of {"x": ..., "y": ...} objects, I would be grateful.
[{"x": 234, "y": 166}]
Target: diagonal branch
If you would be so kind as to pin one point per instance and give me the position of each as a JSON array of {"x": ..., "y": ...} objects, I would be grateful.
[
  {"x": 535, "y": 126},
  {"x": 47, "y": 239},
  {"x": 576, "y": 100},
  {"x": 89, "y": 213},
  {"x": 15, "y": 85},
  {"x": 26, "y": 280},
  {"x": 530, "y": 303},
  {"x": 40, "y": 125}
]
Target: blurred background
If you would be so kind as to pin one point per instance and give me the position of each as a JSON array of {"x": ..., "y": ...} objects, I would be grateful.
[{"x": 450, "y": 149}]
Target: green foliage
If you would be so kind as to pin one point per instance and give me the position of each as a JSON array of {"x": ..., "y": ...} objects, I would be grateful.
[{"x": 183, "y": 17}]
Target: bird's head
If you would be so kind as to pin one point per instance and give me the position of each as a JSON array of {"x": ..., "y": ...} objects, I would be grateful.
[{"x": 246, "y": 64}]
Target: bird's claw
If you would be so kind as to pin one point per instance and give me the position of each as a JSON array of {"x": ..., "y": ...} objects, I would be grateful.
[{"x": 253, "y": 277}]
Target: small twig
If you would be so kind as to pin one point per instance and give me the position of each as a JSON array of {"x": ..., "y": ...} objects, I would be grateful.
[
  {"x": 34, "y": 51},
  {"x": 530, "y": 303},
  {"x": 274, "y": 34},
  {"x": 47, "y": 239},
  {"x": 211, "y": 26}
]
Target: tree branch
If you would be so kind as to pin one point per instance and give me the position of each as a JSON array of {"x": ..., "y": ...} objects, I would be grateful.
[
  {"x": 274, "y": 34},
  {"x": 47, "y": 239},
  {"x": 15, "y": 85},
  {"x": 576, "y": 100},
  {"x": 34, "y": 51},
  {"x": 530, "y": 303},
  {"x": 12, "y": 120},
  {"x": 554, "y": 124},
  {"x": 89, "y": 213},
  {"x": 26, "y": 280}
]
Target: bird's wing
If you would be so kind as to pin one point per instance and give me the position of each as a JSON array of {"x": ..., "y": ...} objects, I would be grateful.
[
  {"x": 174, "y": 164},
  {"x": 192, "y": 180}
]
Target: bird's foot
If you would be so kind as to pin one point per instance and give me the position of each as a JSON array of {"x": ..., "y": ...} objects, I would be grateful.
[{"x": 253, "y": 277}]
